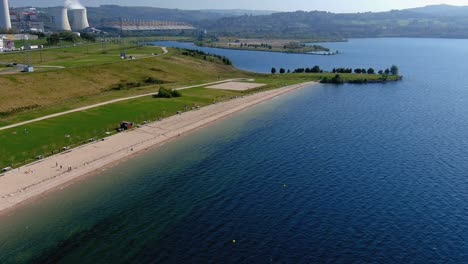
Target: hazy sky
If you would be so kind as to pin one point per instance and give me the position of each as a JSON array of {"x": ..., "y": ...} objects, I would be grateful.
[{"x": 279, "y": 5}]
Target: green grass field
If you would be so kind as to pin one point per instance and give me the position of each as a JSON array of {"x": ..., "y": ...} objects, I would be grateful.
[{"x": 78, "y": 56}]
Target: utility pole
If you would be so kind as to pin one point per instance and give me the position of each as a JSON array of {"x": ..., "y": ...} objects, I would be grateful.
[{"x": 122, "y": 44}]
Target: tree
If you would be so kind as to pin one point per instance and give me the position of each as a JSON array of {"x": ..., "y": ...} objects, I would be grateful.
[
  {"x": 358, "y": 71},
  {"x": 370, "y": 71},
  {"x": 387, "y": 71},
  {"x": 166, "y": 93},
  {"x": 394, "y": 70},
  {"x": 315, "y": 69},
  {"x": 89, "y": 37},
  {"x": 273, "y": 70},
  {"x": 381, "y": 72},
  {"x": 53, "y": 39},
  {"x": 282, "y": 70}
]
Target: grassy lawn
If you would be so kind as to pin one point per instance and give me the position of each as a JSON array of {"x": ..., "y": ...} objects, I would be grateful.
[{"x": 79, "y": 56}]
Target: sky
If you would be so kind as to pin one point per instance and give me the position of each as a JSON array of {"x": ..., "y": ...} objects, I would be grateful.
[{"x": 339, "y": 6}]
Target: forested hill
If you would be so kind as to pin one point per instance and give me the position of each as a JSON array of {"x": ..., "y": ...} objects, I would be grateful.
[
  {"x": 112, "y": 12},
  {"x": 442, "y": 10},
  {"x": 439, "y": 21},
  {"x": 404, "y": 23}
]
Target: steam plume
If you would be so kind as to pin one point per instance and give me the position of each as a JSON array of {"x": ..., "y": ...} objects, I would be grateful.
[{"x": 73, "y": 4}]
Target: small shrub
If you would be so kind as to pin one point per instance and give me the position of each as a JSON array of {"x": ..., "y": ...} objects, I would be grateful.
[
  {"x": 151, "y": 80},
  {"x": 176, "y": 93},
  {"x": 166, "y": 93}
]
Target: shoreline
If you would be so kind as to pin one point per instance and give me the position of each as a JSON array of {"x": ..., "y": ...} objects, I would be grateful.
[
  {"x": 315, "y": 53},
  {"x": 33, "y": 181}
]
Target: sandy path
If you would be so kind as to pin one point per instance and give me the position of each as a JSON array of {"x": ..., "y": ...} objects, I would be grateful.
[
  {"x": 35, "y": 179},
  {"x": 236, "y": 86}
]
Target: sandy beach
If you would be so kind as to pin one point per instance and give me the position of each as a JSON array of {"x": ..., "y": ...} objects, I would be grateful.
[{"x": 33, "y": 180}]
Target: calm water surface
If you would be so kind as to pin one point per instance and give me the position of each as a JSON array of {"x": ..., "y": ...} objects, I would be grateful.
[{"x": 330, "y": 174}]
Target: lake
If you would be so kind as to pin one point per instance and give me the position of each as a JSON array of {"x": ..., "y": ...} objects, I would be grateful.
[{"x": 372, "y": 173}]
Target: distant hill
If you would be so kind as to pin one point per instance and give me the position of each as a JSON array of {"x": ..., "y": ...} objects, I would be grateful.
[
  {"x": 240, "y": 12},
  {"x": 317, "y": 24},
  {"x": 112, "y": 12},
  {"x": 442, "y": 10}
]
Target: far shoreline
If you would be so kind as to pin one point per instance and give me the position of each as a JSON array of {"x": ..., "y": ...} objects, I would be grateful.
[{"x": 34, "y": 181}]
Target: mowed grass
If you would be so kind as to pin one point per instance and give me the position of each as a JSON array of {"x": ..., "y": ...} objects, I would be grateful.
[
  {"x": 22, "y": 144},
  {"x": 78, "y": 56}
]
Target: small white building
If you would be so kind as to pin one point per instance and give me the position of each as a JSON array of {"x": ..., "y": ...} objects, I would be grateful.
[{"x": 6, "y": 44}]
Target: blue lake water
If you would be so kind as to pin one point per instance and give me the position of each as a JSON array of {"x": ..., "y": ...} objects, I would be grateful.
[{"x": 330, "y": 174}]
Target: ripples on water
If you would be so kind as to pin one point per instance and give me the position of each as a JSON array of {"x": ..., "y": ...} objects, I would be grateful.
[{"x": 339, "y": 174}]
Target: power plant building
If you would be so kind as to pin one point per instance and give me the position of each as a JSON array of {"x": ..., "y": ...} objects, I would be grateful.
[
  {"x": 80, "y": 19},
  {"x": 5, "y": 23},
  {"x": 60, "y": 19}
]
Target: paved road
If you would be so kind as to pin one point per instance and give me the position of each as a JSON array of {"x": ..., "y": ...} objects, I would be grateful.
[{"x": 109, "y": 102}]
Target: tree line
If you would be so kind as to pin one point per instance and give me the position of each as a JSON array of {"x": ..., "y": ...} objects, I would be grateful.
[
  {"x": 205, "y": 56},
  {"x": 393, "y": 70}
]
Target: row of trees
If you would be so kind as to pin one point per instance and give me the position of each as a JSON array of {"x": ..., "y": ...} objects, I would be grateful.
[
  {"x": 315, "y": 69},
  {"x": 242, "y": 45},
  {"x": 54, "y": 39},
  {"x": 205, "y": 56},
  {"x": 281, "y": 70},
  {"x": 394, "y": 70}
]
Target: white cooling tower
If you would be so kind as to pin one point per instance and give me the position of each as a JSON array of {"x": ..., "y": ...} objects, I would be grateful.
[
  {"x": 80, "y": 19},
  {"x": 60, "y": 19},
  {"x": 5, "y": 22}
]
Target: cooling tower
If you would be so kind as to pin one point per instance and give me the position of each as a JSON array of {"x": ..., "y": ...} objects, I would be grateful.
[
  {"x": 60, "y": 19},
  {"x": 5, "y": 22},
  {"x": 80, "y": 19}
]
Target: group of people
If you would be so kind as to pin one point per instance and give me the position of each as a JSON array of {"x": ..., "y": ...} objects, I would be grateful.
[{"x": 61, "y": 167}]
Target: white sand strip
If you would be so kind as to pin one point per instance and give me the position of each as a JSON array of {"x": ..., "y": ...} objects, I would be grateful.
[
  {"x": 236, "y": 86},
  {"x": 35, "y": 179}
]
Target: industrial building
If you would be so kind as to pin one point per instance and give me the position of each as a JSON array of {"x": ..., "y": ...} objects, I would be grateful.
[
  {"x": 59, "y": 17},
  {"x": 5, "y": 21},
  {"x": 74, "y": 18},
  {"x": 26, "y": 20},
  {"x": 79, "y": 19},
  {"x": 7, "y": 43}
]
